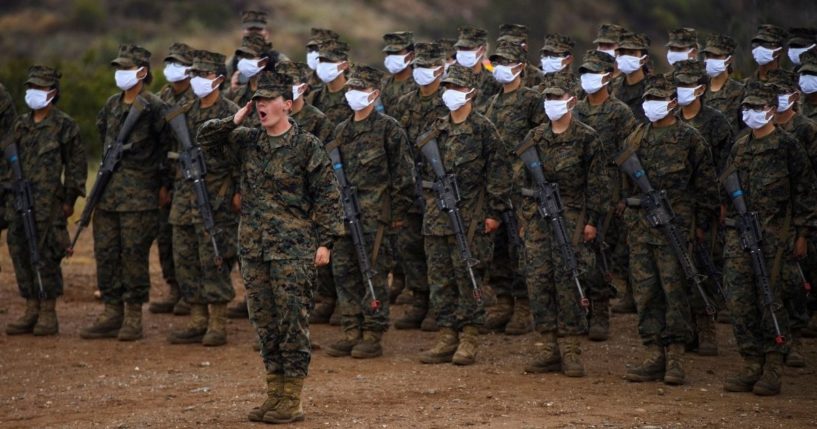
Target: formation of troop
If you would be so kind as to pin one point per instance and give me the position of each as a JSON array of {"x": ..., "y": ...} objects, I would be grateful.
[{"x": 484, "y": 192}]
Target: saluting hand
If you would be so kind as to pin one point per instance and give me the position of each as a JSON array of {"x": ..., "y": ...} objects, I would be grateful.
[{"x": 242, "y": 113}]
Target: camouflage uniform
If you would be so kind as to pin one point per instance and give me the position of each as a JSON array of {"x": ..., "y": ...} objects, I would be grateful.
[
  {"x": 727, "y": 99},
  {"x": 561, "y": 46},
  {"x": 309, "y": 118},
  {"x": 253, "y": 45},
  {"x": 771, "y": 37},
  {"x": 610, "y": 34},
  {"x": 808, "y": 66},
  {"x": 7, "y": 117},
  {"x": 472, "y": 38},
  {"x": 332, "y": 104},
  {"x": 392, "y": 89},
  {"x": 632, "y": 95},
  {"x": 518, "y": 34},
  {"x": 684, "y": 39},
  {"x": 318, "y": 36}
]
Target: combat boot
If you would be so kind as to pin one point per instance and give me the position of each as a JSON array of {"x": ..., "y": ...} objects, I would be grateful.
[
  {"x": 571, "y": 351},
  {"x": 370, "y": 347},
  {"x": 216, "y": 334},
  {"x": 396, "y": 287},
  {"x": 275, "y": 387},
  {"x": 521, "y": 321},
  {"x": 322, "y": 312},
  {"x": 771, "y": 379},
  {"x": 707, "y": 336},
  {"x": 107, "y": 324},
  {"x": 289, "y": 409},
  {"x": 195, "y": 329},
  {"x": 794, "y": 359},
  {"x": 466, "y": 353},
  {"x": 625, "y": 304},
  {"x": 25, "y": 324},
  {"x": 47, "y": 323},
  {"x": 238, "y": 310},
  {"x": 652, "y": 367},
  {"x": 430, "y": 322},
  {"x": 334, "y": 319},
  {"x": 674, "y": 372},
  {"x": 413, "y": 317},
  {"x": 599, "y": 320},
  {"x": 444, "y": 349},
  {"x": 343, "y": 347},
  {"x": 746, "y": 378},
  {"x": 810, "y": 331},
  {"x": 182, "y": 308},
  {"x": 132, "y": 323},
  {"x": 499, "y": 314},
  {"x": 166, "y": 304},
  {"x": 548, "y": 359},
  {"x": 406, "y": 297}
]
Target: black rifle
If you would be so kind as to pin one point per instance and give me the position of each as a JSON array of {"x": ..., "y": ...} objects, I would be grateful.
[
  {"x": 602, "y": 249},
  {"x": 515, "y": 243},
  {"x": 110, "y": 163},
  {"x": 549, "y": 204},
  {"x": 751, "y": 238},
  {"x": 704, "y": 258},
  {"x": 24, "y": 205},
  {"x": 353, "y": 219},
  {"x": 448, "y": 195},
  {"x": 806, "y": 283},
  {"x": 659, "y": 214},
  {"x": 194, "y": 169}
]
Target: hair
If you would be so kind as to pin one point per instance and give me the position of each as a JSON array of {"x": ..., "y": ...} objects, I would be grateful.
[
  {"x": 149, "y": 77},
  {"x": 221, "y": 70}
]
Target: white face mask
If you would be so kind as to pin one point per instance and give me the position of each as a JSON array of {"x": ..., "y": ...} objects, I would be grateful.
[
  {"x": 794, "y": 53},
  {"x": 358, "y": 100},
  {"x": 454, "y": 99},
  {"x": 127, "y": 79},
  {"x": 808, "y": 83},
  {"x": 656, "y": 110},
  {"x": 175, "y": 72},
  {"x": 468, "y": 58},
  {"x": 250, "y": 67},
  {"x": 610, "y": 52},
  {"x": 312, "y": 59},
  {"x": 556, "y": 109},
  {"x": 629, "y": 64},
  {"x": 202, "y": 86},
  {"x": 298, "y": 91},
  {"x": 395, "y": 63},
  {"x": 424, "y": 75},
  {"x": 715, "y": 67},
  {"x": 763, "y": 55},
  {"x": 593, "y": 82},
  {"x": 755, "y": 119},
  {"x": 327, "y": 72},
  {"x": 784, "y": 102},
  {"x": 37, "y": 99},
  {"x": 675, "y": 56},
  {"x": 686, "y": 95},
  {"x": 505, "y": 74},
  {"x": 552, "y": 64}
]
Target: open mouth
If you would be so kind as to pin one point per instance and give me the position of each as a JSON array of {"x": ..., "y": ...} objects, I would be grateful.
[{"x": 262, "y": 114}]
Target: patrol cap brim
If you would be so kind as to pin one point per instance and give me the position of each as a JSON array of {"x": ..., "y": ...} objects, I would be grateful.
[
  {"x": 714, "y": 50},
  {"x": 267, "y": 93},
  {"x": 658, "y": 92},
  {"x": 247, "y": 51},
  {"x": 123, "y": 62},
  {"x": 177, "y": 59},
  {"x": 253, "y": 24},
  {"x": 454, "y": 81},
  {"x": 603, "y": 39},
  {"x": 467, "y": 44},
  {"x": 554, "y": 91},
  {"x": 502, "y": 55},
  {"x": 753, "y": 100}
]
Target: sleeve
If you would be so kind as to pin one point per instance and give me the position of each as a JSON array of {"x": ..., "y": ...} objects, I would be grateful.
[
  {"x": 216, "y": 131},
  {"x": 726, "y": 137},
  {"x": 323, "y": 190},
  {"x": 598, "y": 186},
  {"x": 804, "y": 197},
  {"x": 499, "y": 174},
  {"x": 537, "y": 111},
  {"x": 400, "y": 167},
  {"x": 102, "y": 125},
  {"x": 76, "y": 165},
  {"x": 704, "y": 186},
  {"x": 523, "y": 206},
  {"x": 325, "y": 130},
  {"x": 166, "y": 140}
]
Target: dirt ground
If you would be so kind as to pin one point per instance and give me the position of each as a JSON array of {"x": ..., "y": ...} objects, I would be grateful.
[{"x": 67, "y": 382}]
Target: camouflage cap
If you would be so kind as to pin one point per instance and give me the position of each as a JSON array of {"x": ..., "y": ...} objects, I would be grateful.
[
  {"x": 253, "y": 19},
  {"x": 659, "y": 86},
  {"x": 635, "y": 41},
  {"x": 398, "y": 41},
  {"x": 208, "y": 62},
  {"x": 509, "y": 50},
  {"x": 253, "y": 45},
  {"x": 683, "y": 38},
  {"x": 180, "y": 53},
  {"x": 689, "y": 72},
  {"x": 43, "y": 76},
  {"x": 719, "y": 44},
  {"x": 471, "y": 38},
  {"x": 272, "y": 85},
  {"x": 558, "y": 84},
  {"x": 298, "y": 72},
  {"x": 132, "y": 56},
  {"x": 557, "y": 43},
  {"x": 320, "y": 35},
  {"x": 609, "y": 33},
  {"x": 514, "y": 32},
  {"x": 460, "y": 76},
  {"x": 428, "y": 54},
  {"x": 364, "y": 77},
  {"x": 334, "y": 50},
  {"x": 770, "y": 34},
  {"x": 802, "y": 37},
  {"x": 808, "y": 61},
  {"x": 447, "y": 45},
  {"x": 783, "y": 81},
  {"x": 759, "y": 94},
  {"x": 596, "y": 61}
]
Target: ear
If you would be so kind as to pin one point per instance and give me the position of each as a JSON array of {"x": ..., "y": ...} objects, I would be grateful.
[
  {"x": 263, "y": 62},
  {"x": 795, "y": 97},
  {"x": 572, "y": 103},
  {"x": 409, "y": 57},
  {"x": 142, "y": 73},
  {"x": 373, "y": 96},
  {"x": 607, "y": 78},
  {"x": 344, "y": 65},
  {"x": 518, "y": 68},
  {"x": 218, "y": 81},
  {"x": 700, "y": 91},
  {"x": 568, "y": 60},
  {"x": 440, "y": 70},
  {"x": 672, "y": 104}
]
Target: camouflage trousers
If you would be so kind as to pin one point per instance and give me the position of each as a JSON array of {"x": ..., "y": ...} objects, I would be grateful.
[
  {"x": 325, "y": 283},
  {"x": 615, "y": 250},
  {"x": 53, "y": 243},
  {"x": 451, "y": 291},
  {"x": 201, "y": 282},
  {"x": 165, "y": 242},
  {"x": 506, "y": 277},
  {"x": 751, "y": 321},
  {"x": 660, "y": 293},
  {"x": 554, "y": 298},
  {"x": 279, "y": 297},
  {"x": 353, "y": 291},
  {"x": 619, "y": 251},
  {"x": 411, "y": 254},
  {"x": 122, "y": 243}
]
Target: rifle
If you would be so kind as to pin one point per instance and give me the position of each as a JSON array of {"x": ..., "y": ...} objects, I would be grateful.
[
  {"x": 24, "y": 205},
  {"x": 659, "y": 214},
  {"x": 194, "y": 170},
  {"x": 751, "y": 238},
  {"x": 704, "y": 258},
  {"x": 108, "y": 165},
  {"x": 515, "y": 243},
  {"x": 448, "y": 195},
  {"x": 549, "y": 204},
  {"x": 806, "y": 283},
  {"x": 601, "y": 249},
  {"x": 352, "y": 218}
]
